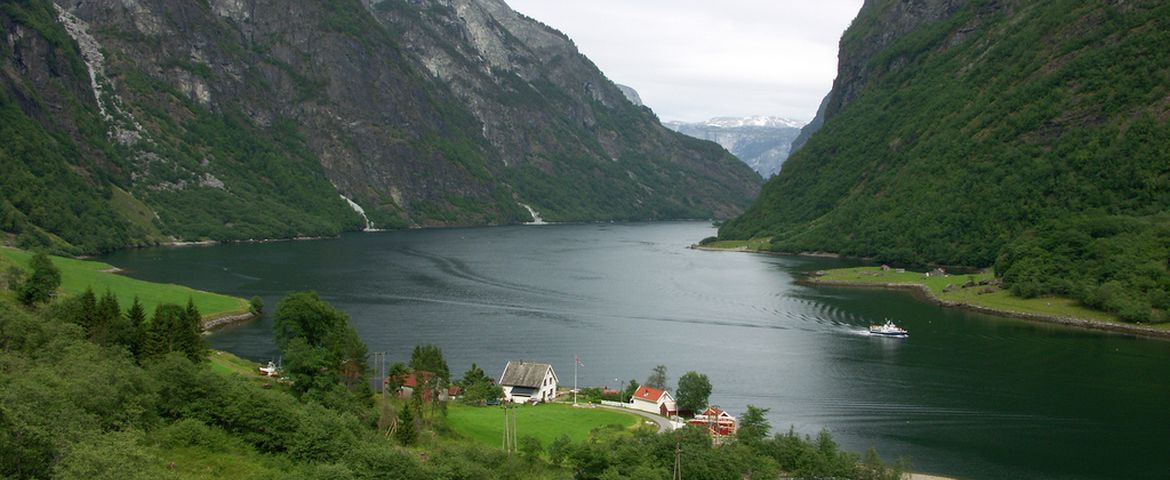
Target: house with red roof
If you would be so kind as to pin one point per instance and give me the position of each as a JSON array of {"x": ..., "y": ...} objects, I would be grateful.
[
  {"x": 718, "y": 422},
  {"x": 410, "y": 381},
  {"x": 653, "y": 400}
]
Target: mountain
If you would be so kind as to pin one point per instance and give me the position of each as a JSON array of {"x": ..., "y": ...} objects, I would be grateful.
[
  {"x": 1031, "y": 136},
  {"x": 762, "y": 142},
  {"x": 144, "y": 121}
]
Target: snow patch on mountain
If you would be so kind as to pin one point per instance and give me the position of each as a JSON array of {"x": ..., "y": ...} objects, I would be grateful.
[{"x": 763, "y": 142}]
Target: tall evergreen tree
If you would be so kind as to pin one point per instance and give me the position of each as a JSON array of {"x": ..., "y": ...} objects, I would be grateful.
[
  {"x": 161, "y": 335},
  {"x": 131, "y": 329},
  {"x": 84, "y": 311},
  {"x": 406, "y": 433},
  {"x": 106, "y": 319},
  {"x": 176, "y": 329},
  {"x": 191, "y": 333}
]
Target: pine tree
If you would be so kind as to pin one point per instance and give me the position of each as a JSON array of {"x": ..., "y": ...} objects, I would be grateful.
[
  {"x": 106, "y": 319},
  {"x": 406, "y": 433},
  {"x": 162, "y": 336},
  {"x": 85, "y": 313},
  {"x": 191, "y": 333},
  {"x": 132, "y": 330}
]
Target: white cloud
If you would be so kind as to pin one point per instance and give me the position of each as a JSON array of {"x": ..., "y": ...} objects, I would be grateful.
[{"x": 692, "y": 59}]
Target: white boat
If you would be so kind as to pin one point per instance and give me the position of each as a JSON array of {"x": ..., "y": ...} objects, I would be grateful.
[
  {"x": 270, "y": 370},
  {"x": 888, "y": 329}
]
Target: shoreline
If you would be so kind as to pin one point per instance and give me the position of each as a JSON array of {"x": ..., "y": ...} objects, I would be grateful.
[
  {"x": 217, "y": 322},
  {"x": 924, "y": 293}
]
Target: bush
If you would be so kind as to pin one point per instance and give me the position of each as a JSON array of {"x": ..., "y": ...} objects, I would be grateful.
[
  {"x": 190, "y": 432},
  {"x": 530, "y": 447}
]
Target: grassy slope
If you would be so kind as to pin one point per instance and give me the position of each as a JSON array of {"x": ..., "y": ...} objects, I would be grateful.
[
  {"x": 545, "y": 422},
  {"x": 1000, "y": 300},
  {"x": 77, "y": 275}
]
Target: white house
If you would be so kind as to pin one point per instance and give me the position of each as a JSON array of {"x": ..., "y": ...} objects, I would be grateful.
[
  {"x": 524, "y": 381},
  {"x": 653, "y": 400}
]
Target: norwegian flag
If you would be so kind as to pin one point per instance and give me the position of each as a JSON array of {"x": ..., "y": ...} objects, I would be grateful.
[{"x": 579, "y": 364}]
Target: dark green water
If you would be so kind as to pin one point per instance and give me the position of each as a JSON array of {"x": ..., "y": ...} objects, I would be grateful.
[{"x": 966, "y": 395}]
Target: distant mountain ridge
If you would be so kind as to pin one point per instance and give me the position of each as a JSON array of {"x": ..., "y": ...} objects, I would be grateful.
[
  {"x": 139, "y": 122},
  {"x": 762, "y": 142},
  {"x": 753, "y": 121}
]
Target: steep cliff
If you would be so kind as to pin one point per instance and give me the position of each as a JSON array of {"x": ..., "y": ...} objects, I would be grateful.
[
  {"x": 237, "y": 119},
  {"x": 966, "y": 132}
]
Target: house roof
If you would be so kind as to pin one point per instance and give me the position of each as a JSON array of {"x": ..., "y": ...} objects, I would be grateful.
[
  {"x": 649, "y": 394},
  {"x": 715, "y": 412},
  {"x": 409, "y": 380},
  {"x": 525, "y": 374}
]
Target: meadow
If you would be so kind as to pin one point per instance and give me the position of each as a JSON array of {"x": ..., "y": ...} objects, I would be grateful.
[
  {"x": 546, "y": 422},
  {"x": 78, "y": 275},
  {"x": 982, "y": 296}
]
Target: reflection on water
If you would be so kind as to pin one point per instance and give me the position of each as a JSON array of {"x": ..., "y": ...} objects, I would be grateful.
[{"x": 965, "y": 395}]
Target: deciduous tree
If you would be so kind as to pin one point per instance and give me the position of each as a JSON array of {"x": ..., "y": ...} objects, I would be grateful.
[
  {"x": 41, "y": 283},
  {"x": 694, "y": 389}
]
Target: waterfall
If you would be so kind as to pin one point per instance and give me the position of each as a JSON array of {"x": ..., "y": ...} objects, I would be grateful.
[
  {"x": 360, "y": 211},
  {"x": 536, "y": 220}
]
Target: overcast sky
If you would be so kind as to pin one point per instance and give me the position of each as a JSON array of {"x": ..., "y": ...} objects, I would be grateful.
[{"x": 696, "y": 59}]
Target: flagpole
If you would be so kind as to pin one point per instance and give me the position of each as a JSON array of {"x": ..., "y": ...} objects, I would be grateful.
[{"x": 576, "y": 361}]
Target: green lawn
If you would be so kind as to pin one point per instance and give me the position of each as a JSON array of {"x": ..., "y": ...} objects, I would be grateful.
[
  {"x": 546, "y": 422},
  {"x": 227, "y": 363},
  {"x": 77, "y": 275},
  {"x": 999, "y": 299},
  {"x": 753, "y": 245}
]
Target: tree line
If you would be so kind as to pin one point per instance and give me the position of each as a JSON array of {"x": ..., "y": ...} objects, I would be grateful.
[{"x": 92, "y": 391}]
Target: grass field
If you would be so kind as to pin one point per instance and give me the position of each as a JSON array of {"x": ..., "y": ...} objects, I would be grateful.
[
  {"x": 1001, "y": 300},
  {"x": 227, "y": 363},
  {"x": 753, "y": 245},
  {"x": 545, "y": 422},
  {"x": 77, "y": 275}
]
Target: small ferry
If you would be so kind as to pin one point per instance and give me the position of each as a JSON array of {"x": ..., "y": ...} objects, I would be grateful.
[{"x": 888, "y": 329}]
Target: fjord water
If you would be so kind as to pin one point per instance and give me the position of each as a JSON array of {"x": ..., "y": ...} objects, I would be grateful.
[{"x": 966, "y": 395}]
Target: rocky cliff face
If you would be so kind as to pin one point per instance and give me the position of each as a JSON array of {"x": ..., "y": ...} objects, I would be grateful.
[
  {"x": 235, "y": 119},
  {"x": 631, "y": 94},
  {"x": 879, "y": 24},
  {"x": 763, "y": 143}
]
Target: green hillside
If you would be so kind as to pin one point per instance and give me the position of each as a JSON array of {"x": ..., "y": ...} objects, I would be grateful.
[{"x": 1027, "y": 136}]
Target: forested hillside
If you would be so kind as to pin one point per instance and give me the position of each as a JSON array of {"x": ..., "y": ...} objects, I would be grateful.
[
  {"x": 1031, "y": 136},
  {"x": 140, "y": 122}
]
